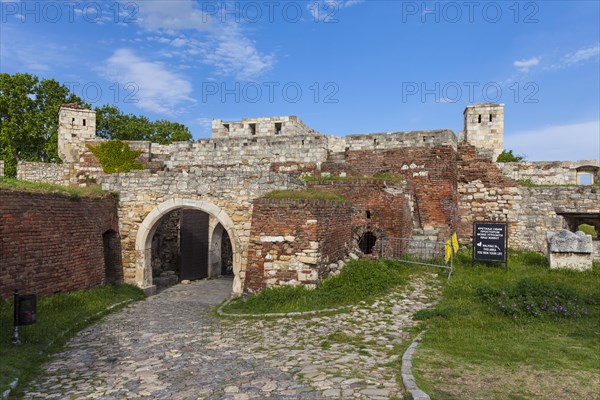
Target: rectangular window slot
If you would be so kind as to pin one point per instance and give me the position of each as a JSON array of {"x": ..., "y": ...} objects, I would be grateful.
[
  {"x": 368, "y": 214},
  {"x": 479, "y": 118},
  {"x": 278, "y": 126},
  {"x": 226, "y": 126},
  {"x": 490, "y": 117},
  {"x": 84, "y": 122},
  {"x": 252, "y": 129}
]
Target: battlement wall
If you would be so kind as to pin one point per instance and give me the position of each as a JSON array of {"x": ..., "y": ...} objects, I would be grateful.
[{"x": 550, "y": 172}]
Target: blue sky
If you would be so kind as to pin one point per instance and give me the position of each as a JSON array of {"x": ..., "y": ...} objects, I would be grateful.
[{"x": 342, "y": 66}]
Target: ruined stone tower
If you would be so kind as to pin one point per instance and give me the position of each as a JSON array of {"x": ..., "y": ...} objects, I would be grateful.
[
  {"x": 76, "y": 126},
  {"x": 484, "y": 128}
]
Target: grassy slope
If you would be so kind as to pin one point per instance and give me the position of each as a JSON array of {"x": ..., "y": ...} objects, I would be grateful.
[
  {"x": 72, "y": 191},
  {"x": 359, "y": 280},
  {"x": 57, "y": 314},
  {"x": 471, "y": 351}
]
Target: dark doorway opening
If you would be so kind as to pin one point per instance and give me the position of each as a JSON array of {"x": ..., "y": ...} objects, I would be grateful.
[
  {"x": 366, "y": 242},
  {"x": 194, "y": 244},
  {"x": 226, "y": 255},
  {"x": 112, "y": 257}
]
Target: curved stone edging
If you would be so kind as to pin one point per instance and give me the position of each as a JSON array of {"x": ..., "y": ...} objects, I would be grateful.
[
  {"x": 288, "y": 314},
  {"x": 407, "y": 377},
  {"x": 14, "y": 383}
]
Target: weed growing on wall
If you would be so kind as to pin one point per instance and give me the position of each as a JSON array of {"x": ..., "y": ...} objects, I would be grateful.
[{"x": 116, "y": 156}]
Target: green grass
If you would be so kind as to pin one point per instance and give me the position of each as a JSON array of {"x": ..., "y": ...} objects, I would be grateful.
[
  {"x": 74, "y": 192},
  {"x": 360, "y": 280},
  {"x": 387, "y": 176},
  {"x": 59, "y": 317},
  {"x": 481, "y": 345},
  {"x": 303, "y": 195}
]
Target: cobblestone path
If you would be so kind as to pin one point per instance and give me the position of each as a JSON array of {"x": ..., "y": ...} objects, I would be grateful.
[{"x": 171, "y": 347}]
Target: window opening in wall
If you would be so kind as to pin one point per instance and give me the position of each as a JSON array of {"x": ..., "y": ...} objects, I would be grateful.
[
  {"x": 366, "y": 242},
  {"x": 302, "y": 142},
  {"x": 72, "y": 121},
  {"x": 252, "y": 129},
  {"x": 585, "y": 178},
  {"x": 226, "y": 127},
  {"x": 214, "y": 146},
  {"x": 278, "y": 128},
  {"x": 490, "y": 117},
  {"x": 424, "y": 138},
  {"x": 374, "y": 142},
  {"x": 84, "y": 122},
  {"x": 369, "y": 214},
  {"x": 479, "y": 118}
]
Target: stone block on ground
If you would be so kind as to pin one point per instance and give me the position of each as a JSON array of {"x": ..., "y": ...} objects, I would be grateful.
[{"x": 570, "y": 250}]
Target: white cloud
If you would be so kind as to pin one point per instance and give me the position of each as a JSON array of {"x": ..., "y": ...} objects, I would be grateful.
[
  {"x": 327, "y": 10},
  {"x": 526, "y": 64},
  {"x": 221, "y": 44},
  {"x": 580, "y": 141},
  {"x": 159, "y": 90},
  {"x": 578, "y": 57}
]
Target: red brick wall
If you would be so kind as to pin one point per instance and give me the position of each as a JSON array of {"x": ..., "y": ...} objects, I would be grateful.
[
  {"x": 50, "y": 243},
  {"x": 430, "y": 173},
  {"x": 306, "y": 221},
  {"x": 390, "y": 214}
]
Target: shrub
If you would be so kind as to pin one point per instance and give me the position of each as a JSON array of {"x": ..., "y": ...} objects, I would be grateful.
[
  {"x": 530, "y": 298},
  {"x": 508, "y": 156},
  {"x": 116, "y": 156}
]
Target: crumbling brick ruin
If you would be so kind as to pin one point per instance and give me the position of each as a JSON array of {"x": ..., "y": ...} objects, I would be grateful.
[{"x": 396, "y": 184}]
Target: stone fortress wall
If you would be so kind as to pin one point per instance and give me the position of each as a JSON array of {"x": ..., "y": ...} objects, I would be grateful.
[{"x": 442, "y": 184}]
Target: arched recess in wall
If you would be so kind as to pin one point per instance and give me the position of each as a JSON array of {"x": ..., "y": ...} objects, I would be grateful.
[
  {"x": 366, "y": 238},
  {"x": 221, "y": 252},
  {"x": 146, "y": 230},
  {"x": 113, "y": 267}
]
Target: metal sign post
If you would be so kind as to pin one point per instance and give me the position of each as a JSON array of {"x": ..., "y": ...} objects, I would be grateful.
[{"x": 490, "y": 242}]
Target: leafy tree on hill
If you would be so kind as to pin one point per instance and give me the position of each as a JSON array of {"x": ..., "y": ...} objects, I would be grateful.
[
  {"x": 111, "y": 123},
  {"x": 29, "y": 121},
  {"x": 29, "y": 118}
]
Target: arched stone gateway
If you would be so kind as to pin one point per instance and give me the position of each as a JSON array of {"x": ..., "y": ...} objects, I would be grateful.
[{"x": 146, "y": 230}]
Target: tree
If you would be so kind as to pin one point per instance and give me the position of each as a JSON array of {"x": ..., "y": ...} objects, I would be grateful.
[
  {"x": 508, "y": 156},
  {"x": 29, "y": 118},
  {"x": 111, "y": 123}
]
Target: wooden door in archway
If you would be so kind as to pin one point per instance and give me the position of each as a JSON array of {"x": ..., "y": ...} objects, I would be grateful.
[{"x": 194, "y": 244}]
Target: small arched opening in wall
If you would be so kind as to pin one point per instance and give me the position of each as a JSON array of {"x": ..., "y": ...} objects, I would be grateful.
[
  {"x": 366, "y": 239},
  {"x": 587, "y": 174},
  {"x": 221, "y": 252},
  {"x": 112, "y": 257},
  {"x": 366, "y": 242},
  {"x": 201, "y": 214}
]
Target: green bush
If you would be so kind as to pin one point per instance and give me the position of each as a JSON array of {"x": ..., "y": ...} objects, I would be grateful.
[
  {"x": 508, "y": 156},
  {"x": 589, "y": 229},
  {"x": 116, "y": 156},
  {"x": 532, "y": 298}
]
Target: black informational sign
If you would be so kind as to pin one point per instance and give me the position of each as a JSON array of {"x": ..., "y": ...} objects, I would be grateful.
[{"x": 490, "y": 241}]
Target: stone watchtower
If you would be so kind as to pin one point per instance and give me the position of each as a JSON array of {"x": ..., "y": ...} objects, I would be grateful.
[
  {"x": 484, "y": 128},
  {"x": 76, "y": 126}
]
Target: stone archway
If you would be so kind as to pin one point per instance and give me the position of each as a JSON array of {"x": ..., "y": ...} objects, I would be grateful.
[{"x": 146, "y": 230}]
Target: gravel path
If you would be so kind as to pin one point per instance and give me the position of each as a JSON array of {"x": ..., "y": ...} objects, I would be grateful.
[{"x": 171, "y": 347}]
